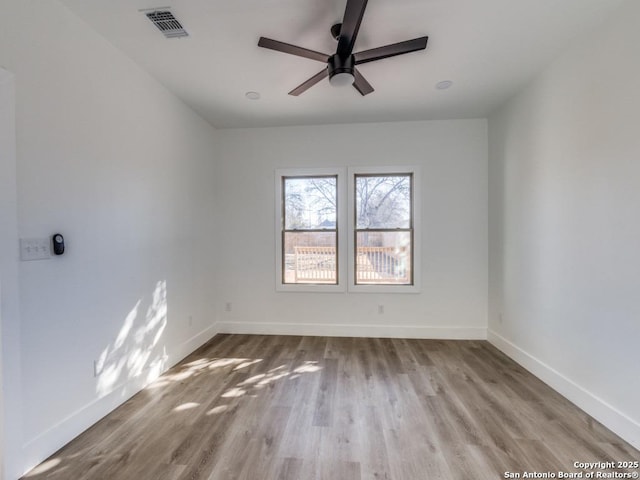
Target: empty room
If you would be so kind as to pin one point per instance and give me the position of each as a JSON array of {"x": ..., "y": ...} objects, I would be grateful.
[{"x": 319, "y": 239}]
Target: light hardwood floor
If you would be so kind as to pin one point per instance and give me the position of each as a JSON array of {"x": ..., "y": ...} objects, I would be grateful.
[{"x": 257, "y": 407}]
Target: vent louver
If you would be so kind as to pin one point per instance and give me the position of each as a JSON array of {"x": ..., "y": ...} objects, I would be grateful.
[{"x": 167, "y": 23}]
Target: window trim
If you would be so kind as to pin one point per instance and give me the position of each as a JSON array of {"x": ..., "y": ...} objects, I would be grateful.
[
  {"x": 415, "y": 225},
  {"x": 346, "y": 231},
  {"x": 341, "y": 250}
]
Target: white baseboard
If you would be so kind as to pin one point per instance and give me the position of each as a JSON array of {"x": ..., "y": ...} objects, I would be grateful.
[
  {"x": 48, "y": 442},
  {"x": 616, "y": 421},
  {"x": 341, "y": 330}
]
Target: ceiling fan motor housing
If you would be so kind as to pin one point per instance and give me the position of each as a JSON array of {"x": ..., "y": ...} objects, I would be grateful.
[{"x": 338, "y": 65}]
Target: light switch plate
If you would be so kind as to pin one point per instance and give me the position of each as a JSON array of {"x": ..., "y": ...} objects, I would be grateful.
[{"x": 35, "y": 249}]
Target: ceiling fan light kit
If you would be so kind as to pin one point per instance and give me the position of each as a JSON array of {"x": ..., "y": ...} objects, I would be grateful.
[
  {"x": 342, "y": 79},
  {"x": 341, "y": 66},
  {"x": 341, "y": 71}
]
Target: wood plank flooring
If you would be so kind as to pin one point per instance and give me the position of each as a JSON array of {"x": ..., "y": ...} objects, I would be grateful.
[{"x": 251, "y": 407}]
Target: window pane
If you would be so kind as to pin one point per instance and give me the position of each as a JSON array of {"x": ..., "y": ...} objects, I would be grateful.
[
  {"x": 310, "y": 203},
  {"x": 383, "y": 201},
  {"x": 383, "y": 258},
  {"x": 310, "y": 257}
]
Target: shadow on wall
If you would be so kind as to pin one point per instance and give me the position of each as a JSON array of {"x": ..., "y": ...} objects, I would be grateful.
[{"x": 134, "y": 351}]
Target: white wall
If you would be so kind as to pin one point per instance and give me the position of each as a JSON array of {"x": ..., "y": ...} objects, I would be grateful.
[
  {"x": 110, "y": 159},
  {"x": 564, "y": 231},
  {"x": 9, "y": 300},
  {"x": 453, "y": 160}
]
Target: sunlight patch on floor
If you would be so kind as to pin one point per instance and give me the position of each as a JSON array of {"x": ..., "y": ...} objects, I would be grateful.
[
  {"x": 261, "y": 380},
  {"x": 44, "y": 467},
  {"x": 234, "y": 392},
  {"x": 217, "y": 410},
  {"x": 186, "y": 406}
]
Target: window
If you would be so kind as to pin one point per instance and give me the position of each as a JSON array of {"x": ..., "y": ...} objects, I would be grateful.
[
  {"x": 330, "y": 237},
  {"x": 310, "y": 233},
  {"x": 383, "y": 234},
  {"x": 309, "y": 251}
]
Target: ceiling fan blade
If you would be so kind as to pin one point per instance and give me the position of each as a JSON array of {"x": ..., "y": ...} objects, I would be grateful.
[
  {"x": 391, "y": 50},
  {"x": 303, "y": 87},
  {"x": 292, "y": 49},
  {"x": 353, "y": 14},
  {"x": 361, "y": 84}
]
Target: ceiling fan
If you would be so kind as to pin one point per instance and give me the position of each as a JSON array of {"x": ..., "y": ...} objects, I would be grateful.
[{"x": 341, "y": 66}]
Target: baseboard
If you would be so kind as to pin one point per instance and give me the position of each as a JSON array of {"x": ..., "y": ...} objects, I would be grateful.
[
  {"x": 48, "y": 442},
  {"x": 616, "y": 421},
  {"x": 341, "y": 330}
]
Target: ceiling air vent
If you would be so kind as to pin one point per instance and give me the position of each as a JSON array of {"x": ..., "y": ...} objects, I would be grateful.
[{"x": 167, "y": 23}]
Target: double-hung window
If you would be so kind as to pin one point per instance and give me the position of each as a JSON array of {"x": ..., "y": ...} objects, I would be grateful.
[
  {"x": 383, "y": 233},
  {"x": 309, "y": 251},
  {"x": 347, "y": 229}
]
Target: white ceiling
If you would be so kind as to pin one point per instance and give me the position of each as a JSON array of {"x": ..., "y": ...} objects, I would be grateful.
[{"x": 488, "y": 48}]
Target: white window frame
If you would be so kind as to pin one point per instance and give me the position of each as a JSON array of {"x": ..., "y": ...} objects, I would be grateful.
[
  {"x": 341, "y": 225},
  {"x": 345, "y": 224},
  {"x": 416, "y": 239}
]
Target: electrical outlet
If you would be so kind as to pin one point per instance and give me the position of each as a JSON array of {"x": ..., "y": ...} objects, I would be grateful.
[
  {"x": 381, "y": 309},
  {"x": 35, "y": 249},
  {"x": 228, "y": 307}
]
